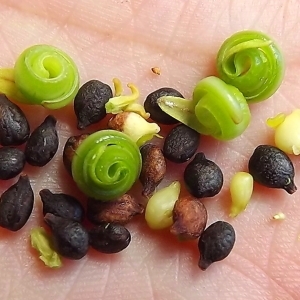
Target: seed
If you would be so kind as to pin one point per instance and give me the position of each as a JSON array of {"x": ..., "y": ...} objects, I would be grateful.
[
  {"x": 159, "y": 209},
  {"x": 215, "y": 243},
  {"x": 181, "y": 144},
  {"x": 203, "y": 177},
  {"x": 272, "y": 168},
  {"x": 121, "y": 210},
  {"x": 42, "y": 143},
  {"x": 109, "y": 238},
  {"x": 153, "y": 168},
  {"x": 70, "y": 148},
  {"x": 135, "y": 126},
  {"x": 70, "y": 238},
  {"x": 14, "y": 127},
  {"x": 12, "y": 162},
  {"x": 41, "y": 241},
  {"x": 241, "y": 188},
  {"x": 151, "y": 105},
  {"x": 62, "y": 205},
  {"x": 16, "y": 204},
  {"x": 89, "y": 103},
  {"x": 156, "y": 70},
  {"x": 189, "y": 217},
  {"x": 279, "y": 216}
]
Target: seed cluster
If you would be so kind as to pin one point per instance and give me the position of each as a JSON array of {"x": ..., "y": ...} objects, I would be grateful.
[{"x": 100, "y": 222}]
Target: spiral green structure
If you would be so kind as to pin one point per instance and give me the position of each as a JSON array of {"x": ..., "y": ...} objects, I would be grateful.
[
  {"x": 42, "y": 75},
  {"x": 106, "y": 165},
  {"x": 253, "y": 63},
  {"x": 217, "y": 109}
]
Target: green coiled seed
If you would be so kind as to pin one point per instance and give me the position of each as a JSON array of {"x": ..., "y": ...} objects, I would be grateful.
[
  {"x": 252, "y": 62},
  {"x": 217, "y": 109},
  {"x": 106, "y": 165},
  {"x": 42, "y": 75}
]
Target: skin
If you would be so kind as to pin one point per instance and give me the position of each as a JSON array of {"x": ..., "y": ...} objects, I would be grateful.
[{"x": 125, "y": 39}]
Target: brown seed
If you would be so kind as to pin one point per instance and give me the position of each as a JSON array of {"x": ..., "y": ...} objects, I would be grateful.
[
  {"x": 190, "y": 217},
  {"x": 69, "y": 150},
  {"x": 156, "y": 70},
  {"x": 153, "y": 168},
  {"x": 120, "y": 211}
]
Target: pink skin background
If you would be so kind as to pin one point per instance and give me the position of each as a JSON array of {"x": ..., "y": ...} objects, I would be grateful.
[{"x": 125, "y": 39}]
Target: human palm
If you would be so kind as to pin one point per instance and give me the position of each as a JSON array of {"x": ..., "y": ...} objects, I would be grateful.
[{"x": 125, "y": 39}]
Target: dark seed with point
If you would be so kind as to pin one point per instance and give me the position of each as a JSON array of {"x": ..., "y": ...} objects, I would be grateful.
[
  {"x": 215, "y": 243},
  {"x": 16, "y": 204},
  {"x": 12, "y": 162},
  {"x": 62, "y": 205},
  {"x": 152, "y": 107},
  {"x": 181, "y": 144},
  {"x": 70, "y": 238},
  {"x": 272, "y": 168},
  {"x": 153, "y": 168},
  {"x": 203, "y": 177},
  {"x": 14, "y": 127},
  {"x": 109, "y": 238},
  {"x": 89, "y": 103},
  {"x": 42, "y": 143}
]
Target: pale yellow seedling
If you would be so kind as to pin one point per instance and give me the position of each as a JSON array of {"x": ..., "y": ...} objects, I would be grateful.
[
  {"x": 241, "y": 188},
  {"x": 287, "y": 131},
  {"x": 159, "y": 209}
]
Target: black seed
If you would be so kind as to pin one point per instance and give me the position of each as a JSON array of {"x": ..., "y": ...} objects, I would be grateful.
[
  {"x": 271, "y": 167},
  {"x": 14, "y": 127},
  {"x": 109, "y": 237},
  {"x": 16, "y": 204},
  {"x": 42, "y": 143},
  {"x": 70, "y": 238},
  {"x": 62, "y": 205},
  {"x": 151, "y": 105},
  {"x": 203, "y": 177},
  {"x": 12, "y": 162},
  {"x": 89, "y": 103},
  {"x": 181, "y": 144},
  {"x": 215, "y": 243}
]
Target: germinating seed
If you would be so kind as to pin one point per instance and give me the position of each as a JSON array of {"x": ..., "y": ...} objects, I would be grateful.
[
  {"x": 109, "y": 238},
  {"x": 151, "y": 105},
  {"x": 42, "y": 143},
  {"x": 120, "y": 211},
  {"x": 69, "y": 150},
  {"x": 14, "y": 127},
  {"x": 181, "y": 144},
  {"x": 89, "y": 103},
  {"x": 203, "y": 177},
  {"x": 12, "y": 162},
  {"x": 62, "y": 205},
  {"x": 16, "y": 204},
  {"x": 215, "y": 243},
  {"x": 153, "y": 168},
  {"x": 70, "y": 238},
  {"x": 272, "y": 168}
]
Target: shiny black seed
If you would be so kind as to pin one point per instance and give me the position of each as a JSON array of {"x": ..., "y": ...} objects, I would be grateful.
[
  {"x": 42, "y": 143},
  {"x": 12, "y": 162},
  {"x": 215, "y": 243},
  {"x": 203, "y": 177},
  {"x": 89, "y": 103},
  {"x": 70, "y": 238},
  {"x": 109, "y": 237},
  {"x": 14, "y": 127},
  {"x": 271, "y": 167},
  {"x": 151, "y": 105},
  {"x": 181, "y": 144},
  {"x": 16, "y": 204},
  {"x": 62, "y": 205}
]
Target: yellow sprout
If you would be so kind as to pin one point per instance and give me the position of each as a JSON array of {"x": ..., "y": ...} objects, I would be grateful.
[{"x": 241, "y": 188}]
